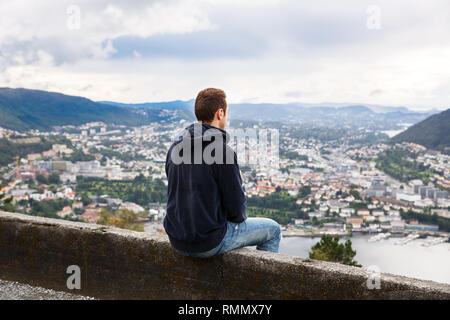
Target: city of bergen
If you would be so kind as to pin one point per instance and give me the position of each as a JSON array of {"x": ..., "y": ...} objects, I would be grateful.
[
  {"x": 187, "y": 153},
  {"x": 350, "y": 181}
]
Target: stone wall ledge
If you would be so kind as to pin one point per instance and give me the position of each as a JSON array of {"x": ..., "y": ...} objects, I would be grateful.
[{"x": 123, "y": 264}]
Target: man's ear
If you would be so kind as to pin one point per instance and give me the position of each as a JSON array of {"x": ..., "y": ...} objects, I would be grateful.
[{"x": 220, "y": 113}]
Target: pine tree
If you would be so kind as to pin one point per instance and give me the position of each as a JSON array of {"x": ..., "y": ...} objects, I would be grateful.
[
  {"x": 4, "y": 201},
  {"x": 329, "y": 249}
]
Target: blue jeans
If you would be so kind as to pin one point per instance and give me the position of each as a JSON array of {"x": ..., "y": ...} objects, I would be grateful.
[{"x": 263, "y": 233}]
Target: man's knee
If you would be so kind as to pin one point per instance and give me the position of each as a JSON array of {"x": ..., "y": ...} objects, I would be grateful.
[{"x": 275, "y": 228}]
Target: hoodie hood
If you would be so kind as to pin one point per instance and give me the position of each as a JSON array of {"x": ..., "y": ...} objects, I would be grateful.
[{"x": 201, "y": 132}]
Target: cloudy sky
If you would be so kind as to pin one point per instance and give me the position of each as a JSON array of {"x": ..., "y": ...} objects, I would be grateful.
[{"x": 377, "y": 52}]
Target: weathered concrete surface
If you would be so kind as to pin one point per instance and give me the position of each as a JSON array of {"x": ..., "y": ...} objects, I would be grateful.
[
  {"x": 10, "y": 290},
  {"x": 122, "y": 264}
]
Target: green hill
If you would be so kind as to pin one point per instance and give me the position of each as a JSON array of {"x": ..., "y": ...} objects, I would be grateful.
[
  {"x": 23, "y": 109},
  {"x": 9, "y": 149},
  {"x": 433, "y": 132}
]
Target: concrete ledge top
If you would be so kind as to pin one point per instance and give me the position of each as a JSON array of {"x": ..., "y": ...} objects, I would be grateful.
[{"x": 256, "y": 274}]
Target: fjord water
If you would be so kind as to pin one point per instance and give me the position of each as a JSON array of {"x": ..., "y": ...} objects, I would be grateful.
[{"x": 412, "y": 259}]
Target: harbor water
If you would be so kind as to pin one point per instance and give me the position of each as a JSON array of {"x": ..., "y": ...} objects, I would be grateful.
[{"x": 412, "y": 259}]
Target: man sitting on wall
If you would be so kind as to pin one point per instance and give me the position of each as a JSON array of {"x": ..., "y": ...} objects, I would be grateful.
[{"x": 206, "y": 202}]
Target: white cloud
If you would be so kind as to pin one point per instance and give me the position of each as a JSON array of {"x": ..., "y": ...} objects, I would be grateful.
[
  {"x": 28, "y": 25},
  {"x": 158, "y": 18},
  {"x": 309, "y": 51}
]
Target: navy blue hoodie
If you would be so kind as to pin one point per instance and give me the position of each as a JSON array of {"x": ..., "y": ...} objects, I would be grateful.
[{"x": 202, "y": 196}]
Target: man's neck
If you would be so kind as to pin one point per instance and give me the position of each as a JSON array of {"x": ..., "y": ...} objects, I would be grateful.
[{"x": 215, "y": 124}]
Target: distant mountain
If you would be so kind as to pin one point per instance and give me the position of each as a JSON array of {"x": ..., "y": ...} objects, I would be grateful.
[
  {"x": 23, "y": 109},
  {"x": 433, "y": 132},
  {"x": 351, "y": 115},
  {"x": 170, "y": 105},
  {"x": 383, "y": 109},
  {"x": 189, "y": 105},
  {"x": 373, "y": 107},
  {"x": 336, "y": 115}
]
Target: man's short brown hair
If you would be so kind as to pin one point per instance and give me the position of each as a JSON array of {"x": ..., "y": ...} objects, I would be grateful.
[{"x": 208, "y": 101}]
